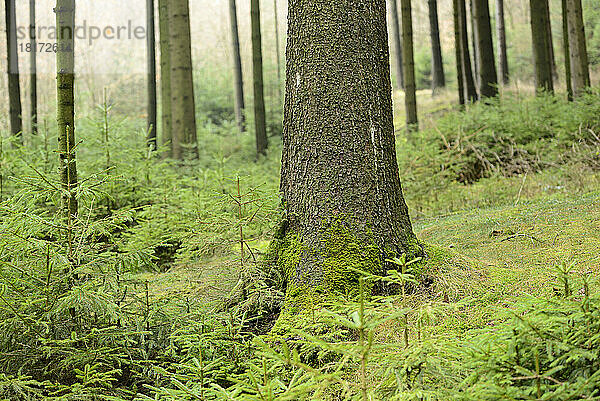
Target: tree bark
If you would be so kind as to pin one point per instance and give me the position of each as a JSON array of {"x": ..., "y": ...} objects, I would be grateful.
[
  {"x": 12, "y": 58},
  {"x": 488, "y": 79},
  {"x": 33, "y": 69},
  {"x": 580, "y": 74},
  {"x": 475, "y": 44},
  {"x": 183, "y": 109},
  {"x": 469, "y": 81},
  {"x": 541, "y": 48},
  {"x": 410, "y": 86},
  {"x": 438, "y": 78},
  {"x": 566, "y": 51},
  {"x": 238, "y": 79},
  {"x": 260, "y": 125},
  {"x": 151, "y": 80},
  {"x": 550, "y": 41},
  {"x": 458, "y": 53},
  {"x": 165, "y": 77},
  {"x": 276, "y": 17},
  {"x": 397, "y": 43},
  {"x": 65, "y": 108},
  {"x": 339, "y": 180},
  {"x": 501, "y": 39}
]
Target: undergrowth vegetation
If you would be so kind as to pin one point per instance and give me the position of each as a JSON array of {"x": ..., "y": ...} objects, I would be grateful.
[{"x": 131, "y": 301}]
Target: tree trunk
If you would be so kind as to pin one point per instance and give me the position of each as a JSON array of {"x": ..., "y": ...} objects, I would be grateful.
[
  {"x": 580, "y": 74},
  {"x": 397, "y": 44},
  {"x": 501, "y": 39},
  {"x": 541, "y": 48},
  {"x": 550, "y": 41},
  {"x": 488, "y": 80},
  {"x": 438, "y": 78},
  {"x": 238, "y": 80},
  {"x": 14, "y": 87},
  {"x": 33, "y": 69},
  {"x": 260, "y": 124},
  {"x": 183, "y": 109},
  {"x": 410, "y": 86},
  {"x": 165, "y": 77},
  {"x": 151, "y": 81},
  {"x": 566, "y": 51},
  {"x": 339, "y": 180},
  {"x": 65, "y": 109},
  {"x": 475, "y": 44},
  {"x": 458, "y": 53},
  {"x": 470, "y": 88},
  {"x": 276, "y": 17}
]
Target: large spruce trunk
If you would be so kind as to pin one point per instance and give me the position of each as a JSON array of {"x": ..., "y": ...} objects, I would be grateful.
[
  {"x": 14, "y": 87},
  {"x": 488, "y": 79},
  {"x": 580, "y": 74},
  {"x": 438, "y": 79},
  {"x": 541, "y": 47},
  {"x": 238, "y": 79},
  {"x": 339, "y": 180}
]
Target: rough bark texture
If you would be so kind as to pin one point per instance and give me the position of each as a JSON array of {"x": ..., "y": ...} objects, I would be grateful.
[
  {"x": 469, "y": 81},
  {"x": 339, "y": 181},
  {"x": 475, "y": 42},
  {"x": 410, "y": 85},
  {"x": 566, "y": 51},
  {"x": 33, "y": 70},
  {"x": 458, "y": 53},
  {"x": 260, "y": 125},
  {"x": 14, "y": 88},
  {"x": 488, "y": 80},
  {"x": 151, "y": 70},
  {"x": 277, "y": 54},
  {"x": 501, "y": 39},
  {"x": 438, "y": 78},
  {"x": 183, "y": 109},
  {"x": 541, "y": 48},
  {"x": 550, "y": 41},
  {"x": 165, "y": 77},
  {"x": 65, "y": 107},
  {"x": 580, "y": 74},
  {"x": 396, "y": 34},
  {"x": 238, "y": 79}
]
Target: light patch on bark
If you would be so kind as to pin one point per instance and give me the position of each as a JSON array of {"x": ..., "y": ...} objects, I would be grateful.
[{"x": 297, "y": 80}]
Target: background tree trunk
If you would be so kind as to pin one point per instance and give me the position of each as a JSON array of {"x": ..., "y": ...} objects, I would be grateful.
[
  {"x": 438, "y": 78},
  {"x": 410, "y": 86},
  {"x": 475, "y": 41},
  {"x": 65, "y": 110},
  {"x": 183, "y": 109},
  {"x": 501, "y": 39},
  {"x": 488, "y": 80},
  {"x": 14, "y": 87},
  {"x": 580, "y": 74},
  {"x": 276, "y": 17},
  {"x": 470, "y": 88},
  {"x": 458, "y": 52},
  {"x": 151, "y": 81},
  {"x": 33, "y": 69},
  {"x": 550, "y": 40},
  {"x": 339, "y": 179},
  {"x": 566, "y": 51},
  {"x": 260, "y": 124},
  {"x": 238, "y": 79},
  {"x": 397, "y": 43},
  {"x": 165, "y": 77},
  {"x": 541, "y": 48}
]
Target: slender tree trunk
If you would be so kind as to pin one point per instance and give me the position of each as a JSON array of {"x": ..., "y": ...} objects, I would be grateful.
[
  {"x": 488, "y": 79},
  {"x": 151, "y": 81},
  {"x": 458, "y": 53},
  {"x": 183, "y": 109},
  {"x": 276, "y": 16},
  {"x": 475, "y": 41},
  {"x": 238, "y": 79},
  {"x": 33, "y": 68},
  {"x": 469, "y": 82},
  {"x": 397, "y": 43},
  {"x": 410, "y": 86},
  {"x": 260, "y": 124},
  {"x": 501, "y": 39},
  {"x": 580, "y": 74},
  {"x": 14, "y": 87},
  {"x": 339, "y": 180},
  {"x": 550, "y": 41},
  {"x": 566, "y": 51},
  {"x": 65, "y": 109},
  {"x": 541, "y": 48},
  {"x": 165, "y": 77},
  {"x": 438, "y": 78}
]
